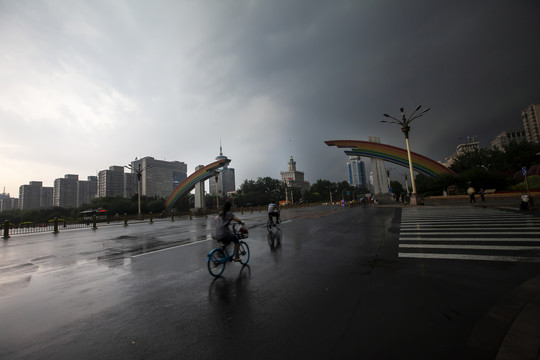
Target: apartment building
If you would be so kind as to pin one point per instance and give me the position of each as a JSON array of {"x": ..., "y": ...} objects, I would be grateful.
[
  {"x": 66, "y": 191},
  {"x": 159, "y": 177},
  {"x": 531, "y": 122}
]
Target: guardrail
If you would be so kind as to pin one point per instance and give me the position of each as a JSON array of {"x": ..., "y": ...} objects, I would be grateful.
[{"x": 57, "y": 225}]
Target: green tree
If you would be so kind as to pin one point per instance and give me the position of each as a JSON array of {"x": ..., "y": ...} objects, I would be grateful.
[
  {"x": 321, "y": 189},
  {"x": 156, "y": 206},
  {"x": 114, "y": 205},
  {"x": 260, "y": 192},
  {"x": 345, "y": 191},
  {"x": 397, "y": 188},
  {"x": 519, "y": 154},
  {"x": 487, "y": 168},
  {"x": 478, "y": 158}
]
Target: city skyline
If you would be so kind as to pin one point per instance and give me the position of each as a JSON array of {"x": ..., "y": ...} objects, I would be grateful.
[
  {"x": 92, "y": 84},
  {"x": 346, "y": 159}
]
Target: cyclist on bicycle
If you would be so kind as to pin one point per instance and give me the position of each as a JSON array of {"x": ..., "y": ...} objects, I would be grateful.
[
  {"x": 222, "y": 232},
  {"x": 273, "y": 211}
]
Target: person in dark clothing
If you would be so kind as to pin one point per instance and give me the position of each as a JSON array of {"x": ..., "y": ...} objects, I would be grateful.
[
  {"x": 222, "y": 232},
  {"x": 471, "y": 191}
]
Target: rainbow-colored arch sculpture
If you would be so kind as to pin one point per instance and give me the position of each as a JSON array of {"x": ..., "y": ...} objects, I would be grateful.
[
  {"x": 200, "y": 175},
  {"x": 392, "y": 154}
]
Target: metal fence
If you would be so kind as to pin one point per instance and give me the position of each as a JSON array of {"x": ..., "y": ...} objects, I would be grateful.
[
  {"x": 50, "y": 227},
  {"x": 59, "y": 225}
]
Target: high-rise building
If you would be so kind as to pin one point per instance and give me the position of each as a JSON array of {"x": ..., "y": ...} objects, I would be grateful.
[
  {"x": 7, "y": 202},
  {"x": 87, "y": 190},
  {"x": 293, "y": 177},
  {"x": 531, "y": 122},
  {"x": 508, "y": 136},
  {"x": 4, "y": 202},
  {"x": 356, "y": 171},
  {"x": 470, "y": 145},
  {"x": 130, "y": 184},
  {"x": 158, "y": 177},
  {"x": 66, "y": 191},
  {"x": 111, "y": 182},
  {"x": 47, "y": 197},
  {"x": 226, "y": 182},
  {"x": 30, "y": 195}
]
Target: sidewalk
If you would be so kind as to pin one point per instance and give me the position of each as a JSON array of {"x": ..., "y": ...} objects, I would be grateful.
[
  {"x": 507, "y": 202},
  {"x": 502, "y": 201}
]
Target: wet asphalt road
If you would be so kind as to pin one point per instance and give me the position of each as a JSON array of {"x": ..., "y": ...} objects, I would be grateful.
[{"x": 333, "y": 287}]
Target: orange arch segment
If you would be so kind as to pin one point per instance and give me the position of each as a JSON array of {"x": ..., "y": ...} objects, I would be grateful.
[
  {"x": 200, "y": 175},
  {"x": 391, "y": 154}
]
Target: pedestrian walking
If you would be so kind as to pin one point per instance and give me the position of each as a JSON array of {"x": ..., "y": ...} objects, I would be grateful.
[
  {"x": 524, "y": 205},
  {"x": 471, "y": 191},
  {"x": 481, "y": 192}
]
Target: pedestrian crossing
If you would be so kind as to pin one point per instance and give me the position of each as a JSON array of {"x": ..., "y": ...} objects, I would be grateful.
[{"x": 469, "y": 233}]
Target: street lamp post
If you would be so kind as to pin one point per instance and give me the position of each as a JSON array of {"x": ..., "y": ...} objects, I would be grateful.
[
  {"x": 330, "y": 188},
  {"x": 216, "y": 176},
  {"x": 404, "y": 122},
  {"x": 354, "y": 194},
  {"x": 138, "y": 171}
]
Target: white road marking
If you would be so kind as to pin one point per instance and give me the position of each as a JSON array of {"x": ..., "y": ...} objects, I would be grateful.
[
  {"x": 469, "y": 257},
  {"x": 475, "y": 247},
  {"x": 422, "y": 238}
]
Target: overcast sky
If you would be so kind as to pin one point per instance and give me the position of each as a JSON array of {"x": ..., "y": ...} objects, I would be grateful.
[{"x": 89, "y": 84}]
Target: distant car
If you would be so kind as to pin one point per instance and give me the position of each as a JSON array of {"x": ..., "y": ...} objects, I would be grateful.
[{"x": 249, "y": 204}]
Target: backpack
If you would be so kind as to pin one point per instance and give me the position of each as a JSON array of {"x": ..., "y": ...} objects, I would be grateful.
[{"x": 221, "y": 228}]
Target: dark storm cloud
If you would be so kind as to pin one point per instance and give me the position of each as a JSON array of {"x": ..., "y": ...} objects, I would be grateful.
[{"x": 339, "y": 65}]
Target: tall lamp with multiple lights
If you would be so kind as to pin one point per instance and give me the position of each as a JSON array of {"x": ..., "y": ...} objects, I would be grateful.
[
  {"x": 404, "y": 122},
  {"x": 138, "y": 171}
]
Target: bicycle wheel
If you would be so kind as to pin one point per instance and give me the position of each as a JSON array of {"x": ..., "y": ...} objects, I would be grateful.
[
  {"x": 269, "y": 225},
  {"x": 278, "y": 224},
  {"x": 216, "y": 262},
  {"x": 243, "y": 252}
]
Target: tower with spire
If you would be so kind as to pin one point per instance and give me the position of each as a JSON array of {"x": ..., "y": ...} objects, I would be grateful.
[
  {"x": 225, "y": 180},
  {"x": 220, "y": 156},
  {"x": 293, "y": 177}
]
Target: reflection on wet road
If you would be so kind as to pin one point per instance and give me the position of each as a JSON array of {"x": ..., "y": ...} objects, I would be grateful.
[{"x": 329, "y": 284}]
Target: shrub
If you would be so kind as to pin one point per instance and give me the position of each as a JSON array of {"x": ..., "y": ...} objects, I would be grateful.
[{"x": 533, "y": 181}]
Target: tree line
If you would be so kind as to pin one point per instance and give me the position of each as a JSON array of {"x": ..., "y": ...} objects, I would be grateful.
[
  {"x": 250, "y": 193},
  {"x": 481, "y": 168},
  {"x": 500, "y": 169}
]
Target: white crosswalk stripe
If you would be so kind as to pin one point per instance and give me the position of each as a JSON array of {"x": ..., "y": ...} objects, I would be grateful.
[{"x": 469, "y": 233}]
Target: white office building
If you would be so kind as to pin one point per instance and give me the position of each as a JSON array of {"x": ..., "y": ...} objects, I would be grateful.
[{"x": 356, "y": 171}]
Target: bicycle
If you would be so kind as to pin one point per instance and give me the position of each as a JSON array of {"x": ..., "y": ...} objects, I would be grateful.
[
  {"x": 219, "y": 257},
  {"x": 271, "y": 224}
]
